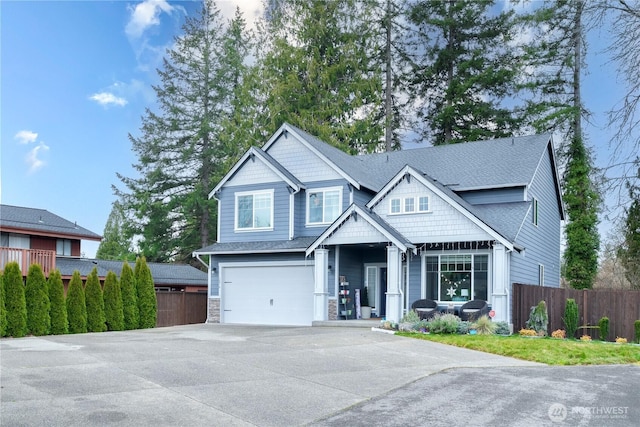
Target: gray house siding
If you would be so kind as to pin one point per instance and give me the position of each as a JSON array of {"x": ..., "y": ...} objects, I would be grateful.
[
  {"x": 414, "y": 286},
  {"x": 302, "y": 230},
  {"x": 541, "y": 242},
  {"x": 500, "y": 195},
  {"x": 227, "y": 202}
]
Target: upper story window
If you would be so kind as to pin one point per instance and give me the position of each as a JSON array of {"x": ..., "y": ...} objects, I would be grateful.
[
  {"x": 254, "y": 210},
  {"x": 324, "y": 205},
  {"x": 408, "y": 205},
  {"x": 63, "y": 247}
]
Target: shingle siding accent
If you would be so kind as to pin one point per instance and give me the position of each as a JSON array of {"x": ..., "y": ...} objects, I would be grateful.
[
  {"x": 253, "y": 172},
  {"x": 443, "y": 224},
  {"x": 542, "y": 242},
  {"x": 300, "y": 160}
]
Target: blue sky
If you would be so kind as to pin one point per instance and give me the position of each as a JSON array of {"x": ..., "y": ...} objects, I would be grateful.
[{"x": 76, "y": 78}]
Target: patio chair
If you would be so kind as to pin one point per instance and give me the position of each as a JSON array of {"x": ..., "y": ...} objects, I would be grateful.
[
  {"x": 473, "y": 310},
  {"x": 425, "y": 308}
]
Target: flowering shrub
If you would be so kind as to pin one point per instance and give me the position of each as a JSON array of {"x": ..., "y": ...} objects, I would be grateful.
[
  {"x": 559, "y": 333},
  {"x": 527, "y": 332},
  {"x": 621, "y": 340},
  {"x": 585, "y": 338}
]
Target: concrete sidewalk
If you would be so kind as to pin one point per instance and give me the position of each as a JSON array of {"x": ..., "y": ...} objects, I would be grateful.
[{"x": 212, "y": 374}]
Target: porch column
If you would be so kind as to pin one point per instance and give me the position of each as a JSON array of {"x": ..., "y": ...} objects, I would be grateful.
[
  {"x": 394, "y": 298},
  {"x": 321, "y": 290},
  {"x": 499, "y": 295}
]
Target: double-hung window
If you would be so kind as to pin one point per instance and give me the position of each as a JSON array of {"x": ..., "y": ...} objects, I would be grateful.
[
  {"x": 254, "y": 210},
  {"x": 324, "y": 205}
]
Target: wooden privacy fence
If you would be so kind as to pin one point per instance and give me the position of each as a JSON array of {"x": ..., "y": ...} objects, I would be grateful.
[
  {"x": 181, "y": 308},
  {"x": 621, "y": 307}
]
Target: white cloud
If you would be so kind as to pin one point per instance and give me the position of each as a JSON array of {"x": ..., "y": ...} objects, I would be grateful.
[
  {"x": 107, "y": 98},
  {"x": 33, "y": 158},
  {"x": 145, "y": 15},
  {"x": 26, "y": 136}
]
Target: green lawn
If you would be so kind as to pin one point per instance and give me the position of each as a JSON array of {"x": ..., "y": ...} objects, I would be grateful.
[{"x": 544, "y": 350}]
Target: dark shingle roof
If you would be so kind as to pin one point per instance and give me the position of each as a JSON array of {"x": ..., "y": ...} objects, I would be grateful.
[
  {"x": 299, "y": 244},
  {"x": 163, "y": 274},
  {"x": 42, "y": 221}
]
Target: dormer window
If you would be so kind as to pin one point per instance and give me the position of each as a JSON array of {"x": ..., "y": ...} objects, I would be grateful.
[{"x": 323, "y": 205}]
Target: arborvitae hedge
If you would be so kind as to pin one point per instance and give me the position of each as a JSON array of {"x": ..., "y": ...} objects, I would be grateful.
[
  {"x": 129, "y": 297},
  {"x": 76, "y": 308},
  {"x": 96, "y": 321},
  {"x": 58, "y": 310},
  {"x": 37, "y": 299},
  {"x": 15, "y": 302},
  {"x": 113, "y": 312},
  {"x": 3, "y": 310},
  {"x": 571, "y": 317},
  {"x": 147, "y": 303}
]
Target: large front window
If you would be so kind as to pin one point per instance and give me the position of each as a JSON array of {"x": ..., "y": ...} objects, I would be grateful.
[
  {"x": 254, "y": 211},
  {"x": 459, "y": 277},
  {"x": 323, "y": 206}
]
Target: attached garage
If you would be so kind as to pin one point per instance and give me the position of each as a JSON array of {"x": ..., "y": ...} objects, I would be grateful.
[{"x": 267, "y": 293}]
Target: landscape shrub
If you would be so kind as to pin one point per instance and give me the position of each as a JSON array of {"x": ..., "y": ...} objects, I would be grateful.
[
  {"x": 129, "y": 297},
  {"x": 464, "y": 326},
  {"x": 444, "y": 323},
  {"x": 559, "y": 333},
  {"x": 527, "y": 332},
  {"x": 113, "y": 313},
  {"x": 96, "y": 321},
  {"x": 411, "y": 317},
  {"x": 539, "y": 319},
  {"x": 76, "y": 307},
  {"x": 636, "y": 326},
  {"x": 147, "y": 303},
  {"x": 571, "y": 317},
  {"x": 621, "y": 340},
  {"x": 58, "y": 309},
  {"x": 37, "y": 301},
  {"x": 15, "y": 302},
  {"x": 3, "y": 310},
  {"x": 484, "y": 326},
  {"x": 603, "y": 323},
  {"x": 502, "y": 328}
]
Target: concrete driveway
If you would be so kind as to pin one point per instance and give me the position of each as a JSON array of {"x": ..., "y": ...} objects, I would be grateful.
[{"x": 215, "y": 375}]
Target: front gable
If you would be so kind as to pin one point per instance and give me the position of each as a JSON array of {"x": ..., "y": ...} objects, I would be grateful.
[{"x": 429, "y": 211}]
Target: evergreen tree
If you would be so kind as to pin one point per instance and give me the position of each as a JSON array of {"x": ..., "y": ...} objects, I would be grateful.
[
  {"x": 129, "y": 297},
  {"x": 464, "y": 70},
  {"x": 37, "y": 301},
  {"x": 147, "y": 303},
  {"x": 58, "y": 311},
  {"x": 181, "y": 154},
  {"x": 115, "y": 245},
  {"x": 629, "y": 252},
  {"x": 113, "y": 308},
  {"x": 15, "y": 302},
  {"x": 76, "y": 307},
  {"x": 317, "y": 72},
  {"x": 94, "y": 300},
  {"x": 3, "y": 310}
]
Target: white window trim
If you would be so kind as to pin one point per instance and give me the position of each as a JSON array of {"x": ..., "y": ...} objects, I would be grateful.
[
  {"x": 416, "y": 205},
  {"x": 541, "y": 274},
  {"x": 235, "y": 210},
  {"x": 322, "y": 190}
]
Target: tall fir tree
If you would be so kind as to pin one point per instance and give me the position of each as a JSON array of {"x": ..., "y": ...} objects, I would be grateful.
[
  {"x": 58, "y": 310},
  {"x": 115, "y": 245},
  {"x": 94, "y": 300},
  {"x": 147, "y": 303},
  {"x": 113, "y": 310},
  {"x": 76, "y": 306},
  {"x": 464, "y": 70},
  {"x": 629, "y": 252},
  {"x": 317, "y": 73},
  {"x": 15, "y": 302},
  {"x": 180, "y": 150},
  {"x": 3, "y": 309},
  {"x": 37, "y": 301},
  {"x": 129, "y": 297}
]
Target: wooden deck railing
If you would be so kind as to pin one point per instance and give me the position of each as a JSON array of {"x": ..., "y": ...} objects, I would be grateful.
[{"x": 26, "y": 257}]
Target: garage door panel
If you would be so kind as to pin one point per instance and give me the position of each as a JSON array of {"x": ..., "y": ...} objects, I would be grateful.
[{"x": 268, "y": 294}]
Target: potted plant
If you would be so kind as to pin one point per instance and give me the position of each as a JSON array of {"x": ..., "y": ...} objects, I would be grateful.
[{"x": 365, "y": 309}]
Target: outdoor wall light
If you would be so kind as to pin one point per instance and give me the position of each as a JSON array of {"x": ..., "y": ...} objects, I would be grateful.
[{"x": 329, "y": 267}]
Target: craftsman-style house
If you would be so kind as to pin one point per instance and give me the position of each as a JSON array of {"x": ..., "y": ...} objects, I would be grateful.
[{"x": 303, "y": 227}]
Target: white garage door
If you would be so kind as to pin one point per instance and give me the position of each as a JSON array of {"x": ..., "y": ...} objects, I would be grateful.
[{"x": 267, "y": 294}]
